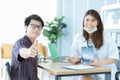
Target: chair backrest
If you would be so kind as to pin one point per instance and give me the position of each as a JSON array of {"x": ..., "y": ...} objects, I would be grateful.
[
  {"x": 6, "y": 50},
  {"x": 118, "y": 62},
  {"x": 5, "y": 56},
  {"x": 118, "y": 67},
  {"x": 42, "y": 49},
  {"x": 8, "y": 69}
]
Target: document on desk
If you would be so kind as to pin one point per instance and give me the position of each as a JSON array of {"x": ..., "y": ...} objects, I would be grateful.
[{"x": 77, "y": 67}]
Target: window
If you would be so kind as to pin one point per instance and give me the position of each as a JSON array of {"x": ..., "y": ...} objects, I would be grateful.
[
  {"x": 111, "y": 18},
  {"x": 13, "y": 13}
]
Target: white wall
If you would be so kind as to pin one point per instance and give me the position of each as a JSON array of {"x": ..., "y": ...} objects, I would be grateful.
[
  {"x": 73, "y": 10},
  {"x": 13, "y": 13}
]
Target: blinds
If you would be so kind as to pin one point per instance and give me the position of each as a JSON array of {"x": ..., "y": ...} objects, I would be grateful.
[{"x": 108, "y": 2}]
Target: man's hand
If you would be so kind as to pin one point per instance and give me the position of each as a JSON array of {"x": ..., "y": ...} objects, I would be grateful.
[
  {"x": 33, "y": 50},
  {"x": 29, "y": 52}
]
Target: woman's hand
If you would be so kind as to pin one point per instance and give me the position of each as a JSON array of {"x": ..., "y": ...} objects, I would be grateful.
[
  {"x": 94, "y": 62},
  {"x": 73, "y": 59}
]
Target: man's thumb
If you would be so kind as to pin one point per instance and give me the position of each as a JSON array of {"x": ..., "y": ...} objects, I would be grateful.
[{"x": 35, "y": 43}]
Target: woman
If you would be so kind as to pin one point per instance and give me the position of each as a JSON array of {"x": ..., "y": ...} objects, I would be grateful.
[
  {"x": 93, "y": 46},
  {"x": 24, "y": 53}
]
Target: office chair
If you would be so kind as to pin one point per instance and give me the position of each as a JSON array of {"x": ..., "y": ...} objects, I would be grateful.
[
  {"x": 117, "y": 74},
  {"x": 8, "y": 70},
  {"x": 5, "y": 56}
]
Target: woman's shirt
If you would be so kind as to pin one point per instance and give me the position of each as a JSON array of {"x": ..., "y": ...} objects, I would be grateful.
[
  {"x": 23, "y": 69},
  {"x": 107, "y": 50}
]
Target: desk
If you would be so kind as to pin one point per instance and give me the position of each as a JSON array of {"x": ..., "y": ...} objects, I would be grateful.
[{"x": 55, "y": 69}]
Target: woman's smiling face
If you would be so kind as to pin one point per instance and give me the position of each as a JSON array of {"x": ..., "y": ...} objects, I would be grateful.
[{"x": 90, "y": 22}]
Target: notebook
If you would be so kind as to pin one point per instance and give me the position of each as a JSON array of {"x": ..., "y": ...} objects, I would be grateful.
[{"x": 55, "y": 55}]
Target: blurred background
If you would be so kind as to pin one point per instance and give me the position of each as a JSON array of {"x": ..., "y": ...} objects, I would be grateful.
[{"x": 13, "y": 13}]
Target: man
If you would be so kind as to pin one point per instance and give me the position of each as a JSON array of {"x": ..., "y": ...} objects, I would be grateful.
[{"x": 24, "y": 53}]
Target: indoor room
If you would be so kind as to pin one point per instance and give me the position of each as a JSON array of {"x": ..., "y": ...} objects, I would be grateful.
[{"x": 65, "y": 21}]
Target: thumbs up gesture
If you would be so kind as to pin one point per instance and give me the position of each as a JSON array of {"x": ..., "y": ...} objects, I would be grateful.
[
  {"x": 29, "y": 52},
  {"x": 33, "y": 50}
]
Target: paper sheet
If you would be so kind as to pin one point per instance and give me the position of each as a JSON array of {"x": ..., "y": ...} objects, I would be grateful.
[{"x": 77, "y": 67}]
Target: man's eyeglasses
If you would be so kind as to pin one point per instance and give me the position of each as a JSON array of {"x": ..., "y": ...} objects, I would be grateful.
[{"x": 34, "y": 26}]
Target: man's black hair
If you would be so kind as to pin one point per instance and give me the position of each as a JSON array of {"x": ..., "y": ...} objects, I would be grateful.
[{"x": 33, "y": 17}]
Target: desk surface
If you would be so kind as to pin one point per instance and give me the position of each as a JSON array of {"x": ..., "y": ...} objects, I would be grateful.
[{"x": 55, "y": 68}]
